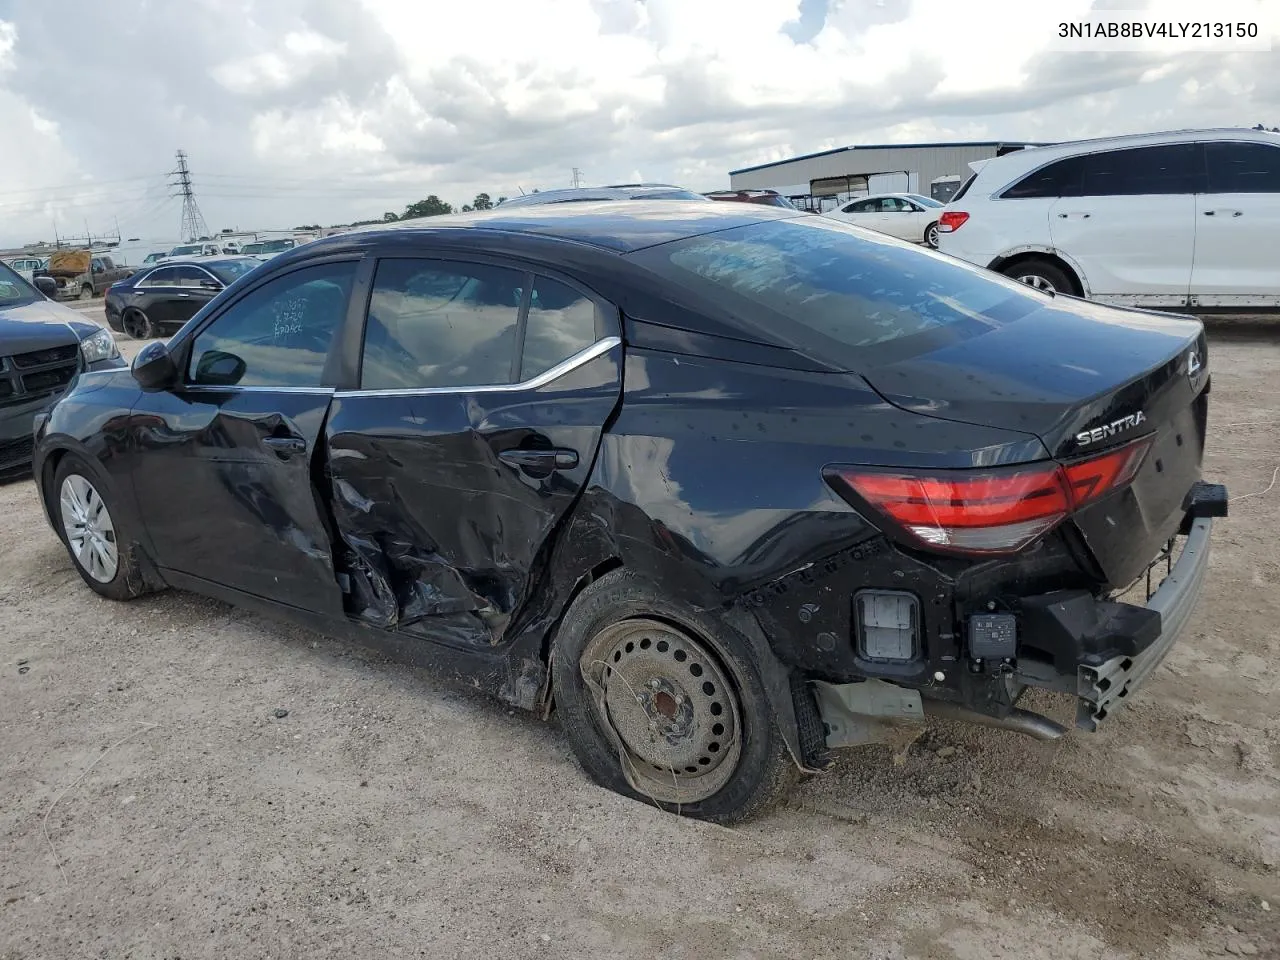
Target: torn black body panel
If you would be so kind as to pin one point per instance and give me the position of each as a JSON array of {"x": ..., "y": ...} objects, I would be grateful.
[
  {"x": 445, "y": 526},
  {"x": 781, "y": 555}
]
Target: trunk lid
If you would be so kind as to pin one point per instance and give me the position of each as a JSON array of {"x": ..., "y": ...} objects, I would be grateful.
[{"x": 1084, "y": 378}]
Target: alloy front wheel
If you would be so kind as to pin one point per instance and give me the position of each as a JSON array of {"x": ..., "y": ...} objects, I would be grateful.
[
  {"x": 96, "y": 530},
  {"x": 91, "y": 533}
]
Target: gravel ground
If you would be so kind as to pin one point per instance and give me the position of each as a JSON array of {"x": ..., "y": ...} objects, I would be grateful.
[{"x": 156, "y": 801}]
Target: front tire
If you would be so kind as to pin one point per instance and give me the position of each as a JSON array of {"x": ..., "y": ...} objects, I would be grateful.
[
  {"x": 1041, "y": 274},
  {"x": 86, "y": 292},
  {"x": 665, "y": 704},
  {"x": 95, "y": 536}
]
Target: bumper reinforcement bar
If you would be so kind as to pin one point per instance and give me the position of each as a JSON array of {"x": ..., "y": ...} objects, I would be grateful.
[{"x": 1103, "y": 688}]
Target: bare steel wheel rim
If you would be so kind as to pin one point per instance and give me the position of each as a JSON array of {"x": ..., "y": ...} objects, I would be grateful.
[
  {"x": 670, "y": 705},
  {"x": 1037, "y": 281},
  {"x": 89, "y": 528}
]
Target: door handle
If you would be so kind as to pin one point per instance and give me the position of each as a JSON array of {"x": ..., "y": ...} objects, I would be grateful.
[
  {"x": 1082, "y": 216},
  {"x": 1234, "y": 213},
  {"x": 184, "y": 294},
  {"x": 558, "y": 459},
  {"x": 285, "y": 447}
]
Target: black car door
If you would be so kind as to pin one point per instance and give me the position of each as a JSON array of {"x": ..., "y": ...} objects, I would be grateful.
[
  {"x": 155, "y": 294},
  {"x": 196, "y": 287},
  {"x": 483, "y": 394},
  {"x": 225, "y": 477}
]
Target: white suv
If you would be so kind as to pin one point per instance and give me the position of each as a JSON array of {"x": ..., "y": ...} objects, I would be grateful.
[{"x": 1184, "y": 219}]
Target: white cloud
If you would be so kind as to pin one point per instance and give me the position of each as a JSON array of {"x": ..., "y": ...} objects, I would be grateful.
[{"x": 302, "y": 110}]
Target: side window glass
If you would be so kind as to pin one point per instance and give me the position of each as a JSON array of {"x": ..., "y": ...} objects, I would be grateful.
[
  {"x": 189, "y": 276},
  {"x": 164, "y": 277},
  {"x": 437, "y": 323},
  {"x": 1243, "y": 167},
  {"x": 277, "y": 336},
  {"x": 1061, "y": 179},
  {"x": 561, "y": 322},
  {"x": 1144, "y": 171}
]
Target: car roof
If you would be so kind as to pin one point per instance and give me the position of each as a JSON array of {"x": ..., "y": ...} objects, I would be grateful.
[
  {"x": 630, "y": 191},
  {"x": 1033, "y": 157},
  {"x": 618, "y": 225},
  {"x": 878, "y": 196},
  {"x": 191, "y": 262}
]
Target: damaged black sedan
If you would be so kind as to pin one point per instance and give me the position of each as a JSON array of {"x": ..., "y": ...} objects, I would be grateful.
[{"x": 726, "y": 486}]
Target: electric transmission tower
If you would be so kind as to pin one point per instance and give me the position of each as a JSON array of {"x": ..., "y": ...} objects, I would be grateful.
[
  {"x": 577, "y": 177},
  {"x": 193, "y": 225}
]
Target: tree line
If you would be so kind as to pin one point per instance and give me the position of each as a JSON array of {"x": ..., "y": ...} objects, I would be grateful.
[{"x": 433, "y": 206}]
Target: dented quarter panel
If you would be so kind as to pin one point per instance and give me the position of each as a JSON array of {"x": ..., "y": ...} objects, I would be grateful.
[
  {"x": 452, "y": 538},
  {"x": 711, "y": 484}
]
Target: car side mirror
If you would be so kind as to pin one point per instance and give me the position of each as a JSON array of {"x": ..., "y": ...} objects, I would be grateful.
[
  {"x": 48, "y": 286},
  {"x": 154, "y": 368},
  {"x": 216, "y": 368},
  {"x": 210, "y": 284}
]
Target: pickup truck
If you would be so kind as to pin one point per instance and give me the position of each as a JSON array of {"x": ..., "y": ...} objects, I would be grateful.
[{"x": 102, "y": 273}]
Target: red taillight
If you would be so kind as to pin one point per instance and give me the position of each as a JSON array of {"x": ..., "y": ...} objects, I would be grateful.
[
  {"x": 989, "y": 511},
  {"x": 951, "y": 221},
  {"x": 1090, "y": 479}
]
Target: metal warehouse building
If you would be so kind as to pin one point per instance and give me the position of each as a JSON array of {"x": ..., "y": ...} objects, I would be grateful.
[{"x": 820, "y": 181}]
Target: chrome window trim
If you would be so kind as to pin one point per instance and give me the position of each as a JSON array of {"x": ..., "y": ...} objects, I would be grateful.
[
  {"x": 582, "y": 357},
  {"x": 255, "y": 388},
  {"x": 207, "y": 273}
]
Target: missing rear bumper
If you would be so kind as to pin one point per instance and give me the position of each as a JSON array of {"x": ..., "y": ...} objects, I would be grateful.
[{"x": 1103, "y": 687}]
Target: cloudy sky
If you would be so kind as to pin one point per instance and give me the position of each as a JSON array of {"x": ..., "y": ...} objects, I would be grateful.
[{"x": 303, "y": 111}]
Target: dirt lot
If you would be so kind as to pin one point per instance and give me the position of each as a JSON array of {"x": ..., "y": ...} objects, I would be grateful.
[{"x": 153, "y": 804}]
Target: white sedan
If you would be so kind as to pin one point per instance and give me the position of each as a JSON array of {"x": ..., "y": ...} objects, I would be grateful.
[{"x": 908, "y": 216}]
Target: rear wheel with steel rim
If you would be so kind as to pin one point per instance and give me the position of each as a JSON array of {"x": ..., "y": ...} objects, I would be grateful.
[
  {"x": 95, "y": 534},
  {"x": 665, "y": 704},
  {"x": 672, "y": 707},
  {"x": 1041, "y": 275},
  {"x": 931, "y": 235}
]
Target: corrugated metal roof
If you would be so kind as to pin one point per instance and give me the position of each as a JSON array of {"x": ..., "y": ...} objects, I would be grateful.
[{"x": 891, "y": 146}]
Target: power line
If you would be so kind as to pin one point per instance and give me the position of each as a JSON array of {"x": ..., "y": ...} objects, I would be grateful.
[
  {"x": 193, "y": 226},
  {"x": 82, "y": 185}
]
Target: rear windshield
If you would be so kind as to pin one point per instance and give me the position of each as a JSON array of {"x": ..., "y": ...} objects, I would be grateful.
[
  {"x": 819, "y": 285},
  {"x": 964, "y": 188},
  {"x": 229, "y": 270}
]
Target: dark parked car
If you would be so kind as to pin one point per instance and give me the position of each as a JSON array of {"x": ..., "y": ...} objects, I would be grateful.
[
  {"x": 768, "y": 198},
  {"x": 158, "y": 301},
  {"x": 725, "y": 485},
  {"x": 43, "y": 345},
  {"x": 621, "y": 191}
]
